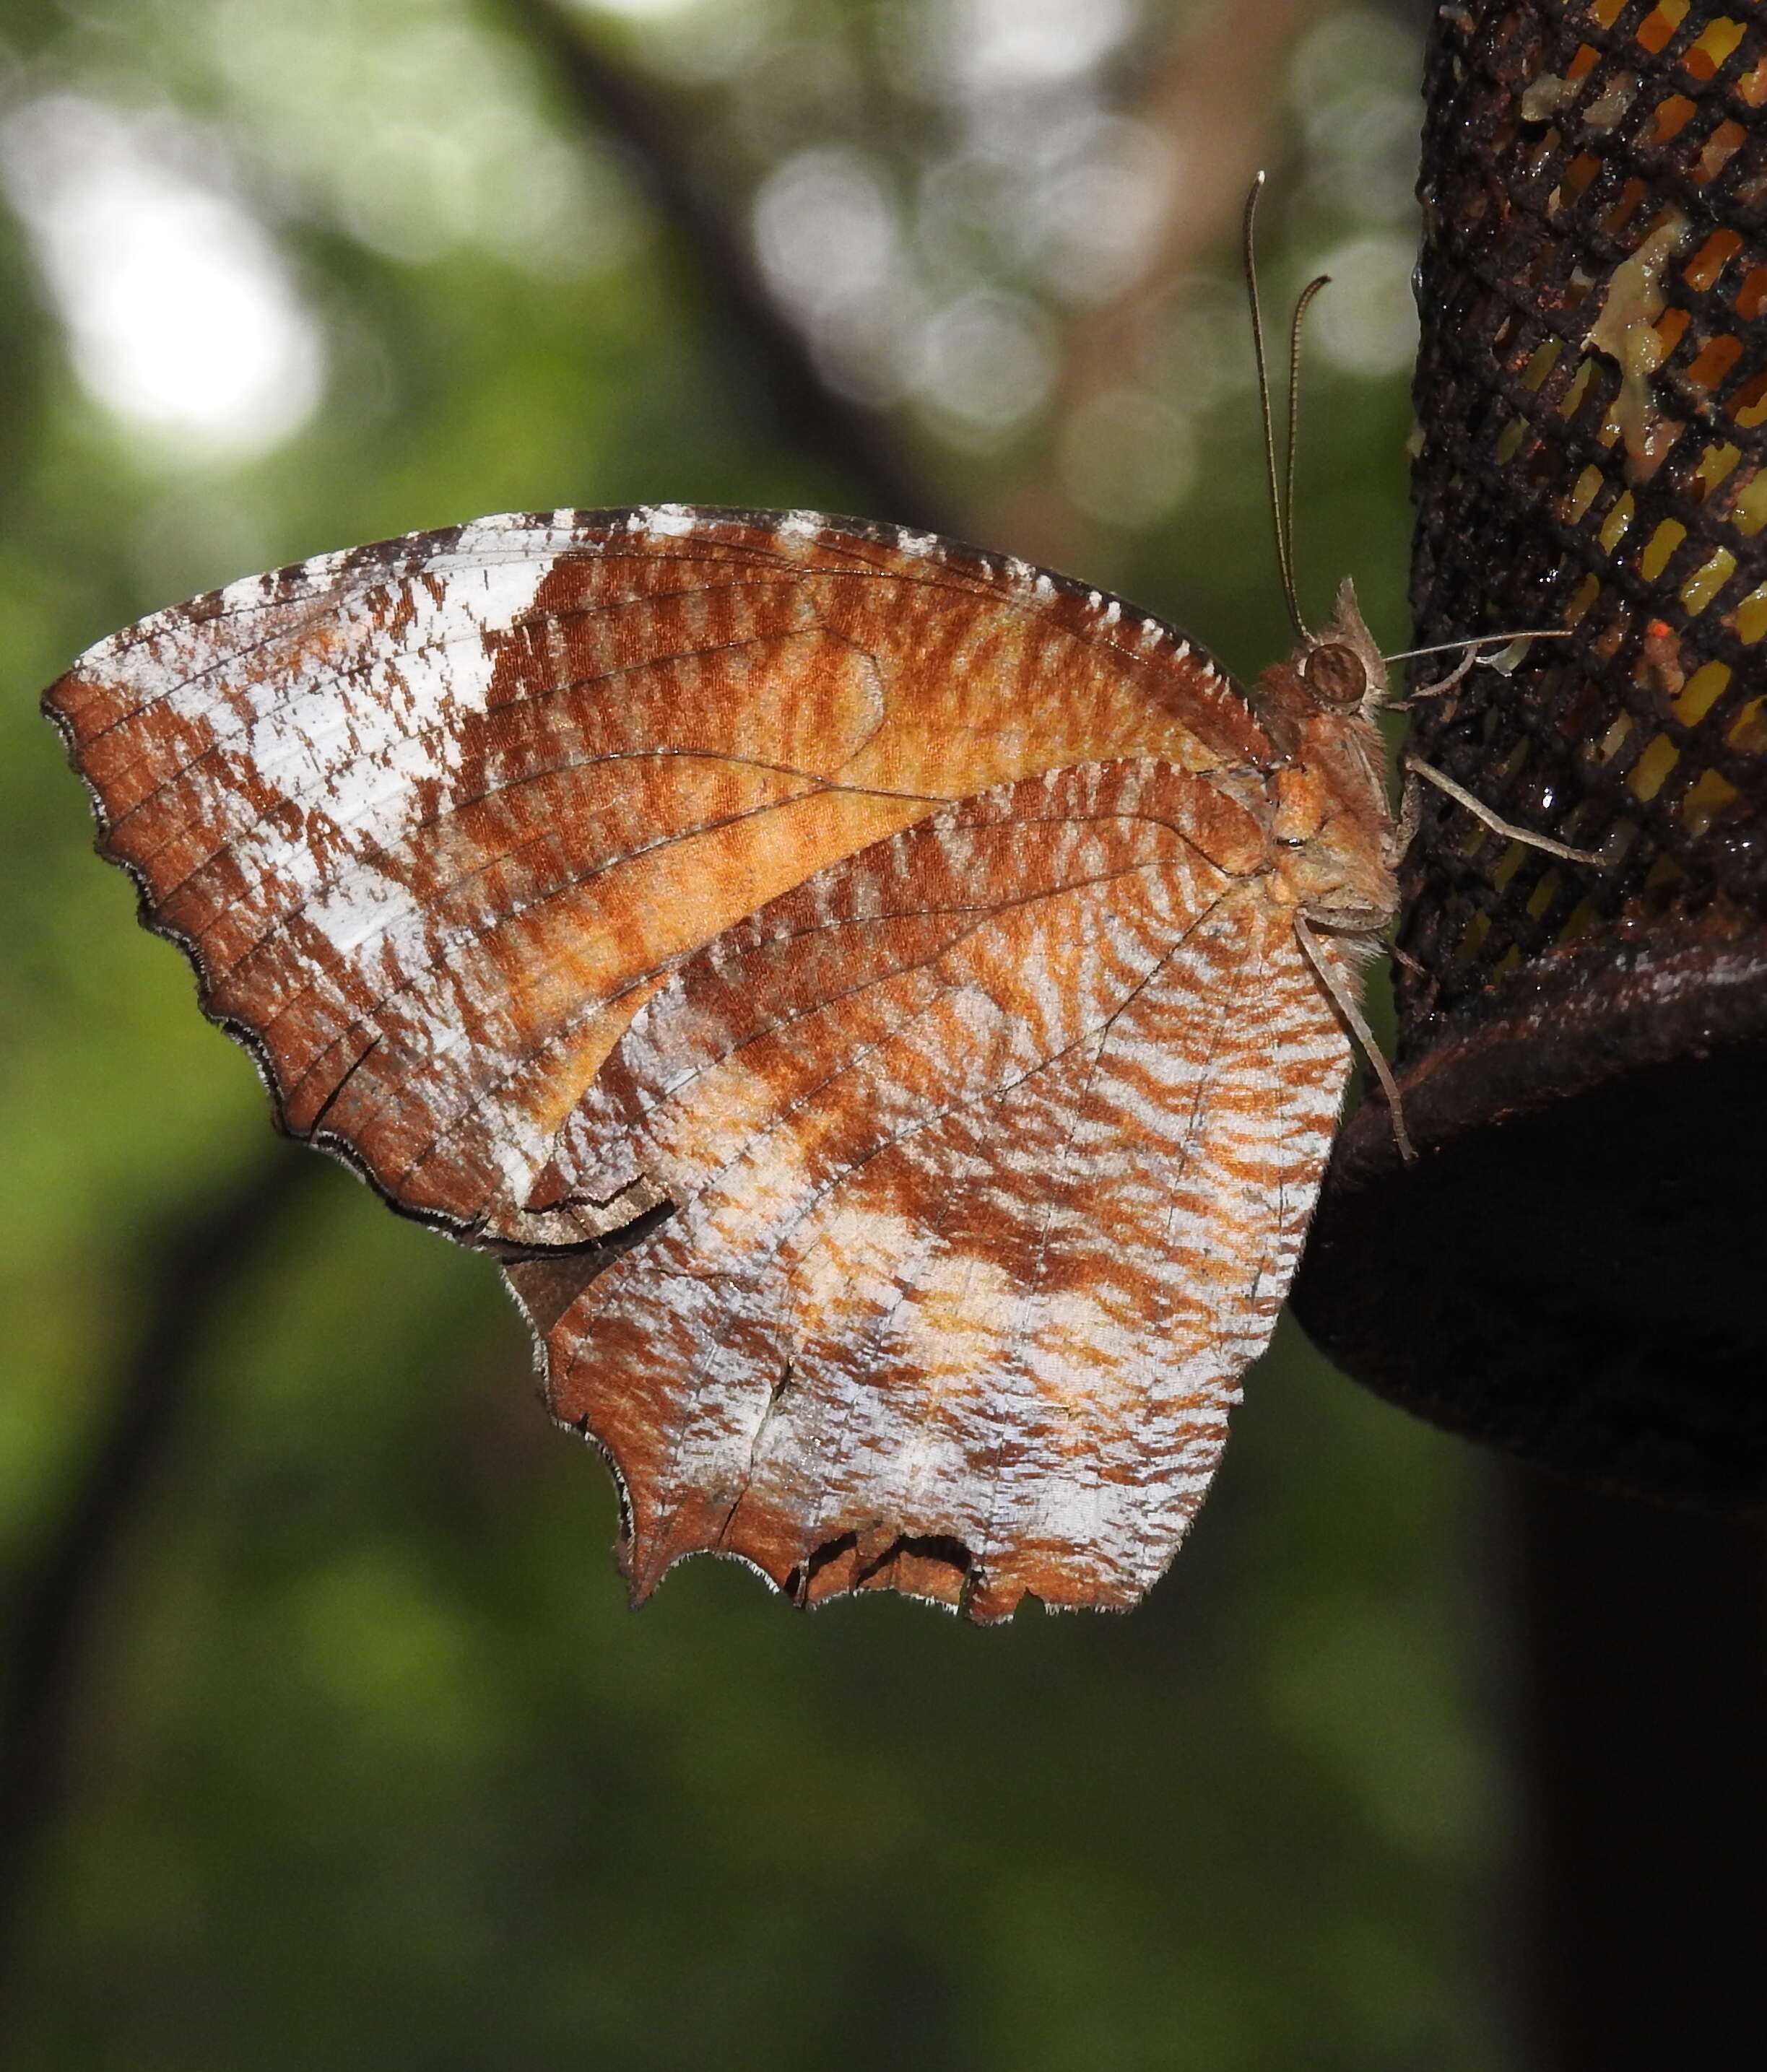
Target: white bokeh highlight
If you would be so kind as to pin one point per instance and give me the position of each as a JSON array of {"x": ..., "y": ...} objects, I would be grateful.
[
  {"x": 825, "y": 232},
  {"x": 419, "y": 134},
  {"x": 183, "y": 318},
  {"x": 643, "y": 11},
  {"x": 992, "y": 45},
  {"x": 1365, "y": 321},
  {"x": 987, "y": 362}
]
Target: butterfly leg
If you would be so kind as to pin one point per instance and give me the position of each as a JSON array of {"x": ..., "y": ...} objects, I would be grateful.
[
  {"x": 1344, "y": 1001},
  {"x": 1404, "y": 831},
  {"x": 1416, "y": 768}
]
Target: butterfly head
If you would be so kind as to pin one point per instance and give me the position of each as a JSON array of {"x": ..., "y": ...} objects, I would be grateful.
[
  {"x": 1328, "y": 814},
  {"x": 1340, "y": 667}
]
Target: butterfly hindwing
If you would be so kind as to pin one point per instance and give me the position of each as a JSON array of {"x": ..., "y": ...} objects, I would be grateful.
[{"x": 977, "y": 1222}]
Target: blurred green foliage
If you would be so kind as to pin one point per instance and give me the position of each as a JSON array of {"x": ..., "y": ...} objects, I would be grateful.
[{"x": 374, "y": 1765}]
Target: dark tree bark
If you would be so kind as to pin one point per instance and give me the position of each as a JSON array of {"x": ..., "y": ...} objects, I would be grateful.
[
  {"x": 188, "y": 1273},
  {"x": 1641, "y": 1703}
]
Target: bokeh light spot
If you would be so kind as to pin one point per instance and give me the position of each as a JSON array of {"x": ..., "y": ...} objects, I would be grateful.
[
  {"x": 1366, "y": 321},
  {"x": 1128, "y": 458},
  {"x": 183, "y": 318}
]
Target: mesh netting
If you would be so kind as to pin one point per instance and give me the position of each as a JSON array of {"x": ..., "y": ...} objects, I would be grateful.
[
  {"x": 1593, "y": 391},
  {"x": 1571, "y": 1269}
]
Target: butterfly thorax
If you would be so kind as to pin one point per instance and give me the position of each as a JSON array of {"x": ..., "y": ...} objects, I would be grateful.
[{"x": 1329, "y": 815}]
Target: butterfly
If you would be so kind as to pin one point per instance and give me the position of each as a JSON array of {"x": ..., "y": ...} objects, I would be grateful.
[{"x": 886, "y": 1006}]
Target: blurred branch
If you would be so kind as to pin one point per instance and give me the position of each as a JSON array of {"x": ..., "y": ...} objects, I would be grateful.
[
  {"x": 1215, "y": 99},
  {"x": 841, "y": 433},
  {"x": 193, "y": 1268}
]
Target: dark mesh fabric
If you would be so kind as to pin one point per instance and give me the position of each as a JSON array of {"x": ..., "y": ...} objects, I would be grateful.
[{"x": 1574, "y": 1267}]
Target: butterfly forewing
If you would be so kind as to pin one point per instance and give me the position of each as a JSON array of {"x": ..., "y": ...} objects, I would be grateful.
[
  {"x": 878, "y": 927},
  {"x": 432, "y": 817}
]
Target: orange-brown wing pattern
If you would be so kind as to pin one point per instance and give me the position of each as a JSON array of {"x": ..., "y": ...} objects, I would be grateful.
[
  {"x": 435, "y": 819},
  {"x": 992, "y": 1147}
]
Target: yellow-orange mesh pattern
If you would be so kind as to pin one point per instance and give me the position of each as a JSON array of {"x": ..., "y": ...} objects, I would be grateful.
[{"x": 1591, "y": 390}]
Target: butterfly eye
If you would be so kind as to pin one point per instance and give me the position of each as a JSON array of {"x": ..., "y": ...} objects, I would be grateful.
[{"x": 1334, "y": 674}]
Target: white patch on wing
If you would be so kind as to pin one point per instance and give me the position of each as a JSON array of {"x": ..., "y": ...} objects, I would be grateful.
[
  {"x": 764, "y": 1183},
  {"x": 856, "y": 1264},
  {"x": 876, "y": 1286},
  {"x": 1080, "y": 1350},
  {"x": 380, "y": 743},
  {"x": 348, "y": 725},
  {"x": 956, "y": 1323},
  {"x": 668, "y": 521},
  {"x": 361, "y": 905}
]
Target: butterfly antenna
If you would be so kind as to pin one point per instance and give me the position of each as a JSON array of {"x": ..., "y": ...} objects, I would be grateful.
[
  {"x": 1278, "y": 507},
  {"x": 1494, "y": 640},
  {"x": 1306, "y": 297}
]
